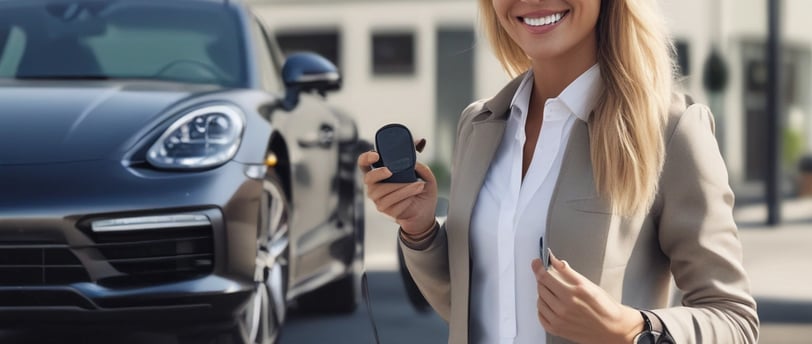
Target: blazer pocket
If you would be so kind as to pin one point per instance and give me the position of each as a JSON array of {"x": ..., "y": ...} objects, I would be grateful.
[{"x": 596, "y": 205}]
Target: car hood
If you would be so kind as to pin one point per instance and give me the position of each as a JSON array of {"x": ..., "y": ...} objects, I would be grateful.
[{"x": 64, "y": 121}]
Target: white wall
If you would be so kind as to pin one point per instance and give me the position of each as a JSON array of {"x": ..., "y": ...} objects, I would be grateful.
[
  {"x": 798, "y": 30},
  {"x": 377, "y": 100},
  {"x": 410, "y": 100}
]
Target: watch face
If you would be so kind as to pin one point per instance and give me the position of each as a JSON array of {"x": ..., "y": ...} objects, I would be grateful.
[{"x": 645, "y": 337}]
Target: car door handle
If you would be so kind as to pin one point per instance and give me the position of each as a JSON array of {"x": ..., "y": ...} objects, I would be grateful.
[{"x": 322, "y": 138}]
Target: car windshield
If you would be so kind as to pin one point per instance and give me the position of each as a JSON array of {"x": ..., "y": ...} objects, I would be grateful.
[{"x": 185, "y": 41}]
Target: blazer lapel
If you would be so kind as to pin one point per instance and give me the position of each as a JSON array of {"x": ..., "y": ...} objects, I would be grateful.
[
  {"x": 476, "y": 153},
  {"x": 579, "y": 221}
]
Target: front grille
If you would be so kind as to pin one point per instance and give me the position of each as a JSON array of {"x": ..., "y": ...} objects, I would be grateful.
[
  {"x": 156, "y": 255},
  {"x": 39, "y": 264}
]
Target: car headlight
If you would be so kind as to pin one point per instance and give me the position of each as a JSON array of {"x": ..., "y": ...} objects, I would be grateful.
[{"x": 203, "y": 138}]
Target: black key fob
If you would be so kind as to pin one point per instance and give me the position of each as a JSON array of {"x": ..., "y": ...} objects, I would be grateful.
[{"x": 395, "y": 146}]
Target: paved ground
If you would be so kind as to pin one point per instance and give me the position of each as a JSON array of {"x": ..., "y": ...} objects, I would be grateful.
[{"x": 778, "y": 259}]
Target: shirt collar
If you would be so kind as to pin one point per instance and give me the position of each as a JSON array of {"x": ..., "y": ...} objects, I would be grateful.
[
  {"x": 579, "y": 96},
  {"x": 521, "y": 99}
]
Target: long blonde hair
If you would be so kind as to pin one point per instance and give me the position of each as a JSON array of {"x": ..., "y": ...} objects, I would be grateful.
[{"x": 637, "y": 70}]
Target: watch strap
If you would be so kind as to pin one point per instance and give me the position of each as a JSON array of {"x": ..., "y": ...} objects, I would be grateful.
[
  {"x": 657, "y": 327},
  {"x": 647, "y": 335}
]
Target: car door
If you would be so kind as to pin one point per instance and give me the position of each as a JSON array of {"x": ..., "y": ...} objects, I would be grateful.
[{"x": 310, "y": 133}]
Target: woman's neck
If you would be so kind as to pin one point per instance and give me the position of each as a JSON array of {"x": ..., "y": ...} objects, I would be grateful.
[{"x": 551, "y": 78}]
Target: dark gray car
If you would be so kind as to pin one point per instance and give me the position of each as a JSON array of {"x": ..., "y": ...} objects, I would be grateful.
[{"x": 160, "y": 168}]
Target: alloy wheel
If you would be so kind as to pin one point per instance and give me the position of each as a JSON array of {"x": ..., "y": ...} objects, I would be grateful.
[{"x": 262, "y": 319}]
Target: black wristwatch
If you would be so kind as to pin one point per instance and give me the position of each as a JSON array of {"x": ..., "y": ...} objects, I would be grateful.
[{"x": 649, "y": 335}]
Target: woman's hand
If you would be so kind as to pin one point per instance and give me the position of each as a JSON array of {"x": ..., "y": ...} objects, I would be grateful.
[
  {"x": 572, "y": 307},
  {"x": 410, "y": 204}
]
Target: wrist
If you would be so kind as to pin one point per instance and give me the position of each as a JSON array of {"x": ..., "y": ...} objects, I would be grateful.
[
  {"x": 633, "y": 324},
  {"x": 419, "y": 235},
  {"x": 418, "y": 229}
]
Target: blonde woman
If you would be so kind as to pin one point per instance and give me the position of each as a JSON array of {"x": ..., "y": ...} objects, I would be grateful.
[{"x": 590, "y": 149}]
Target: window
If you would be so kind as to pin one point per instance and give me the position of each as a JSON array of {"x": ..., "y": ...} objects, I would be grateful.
[
  {"x": 12, "y": 45},
  {"x": 268, "y": 66},
  {"x": 188, "y": 42},
  {"x": 683, "y": 57},
  {"x": 324, "y": 43},
  {"x": 393, "y": 54}
]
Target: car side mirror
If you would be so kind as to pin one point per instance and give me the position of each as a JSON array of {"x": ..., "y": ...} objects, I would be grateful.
[{"x": 306, "y": 72}]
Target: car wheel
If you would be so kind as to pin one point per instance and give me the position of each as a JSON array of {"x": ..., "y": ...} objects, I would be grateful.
[{"x": 261, "y": 320}]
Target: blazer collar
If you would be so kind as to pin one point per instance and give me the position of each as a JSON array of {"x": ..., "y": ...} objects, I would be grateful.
[{"x": 499, "y": 105}]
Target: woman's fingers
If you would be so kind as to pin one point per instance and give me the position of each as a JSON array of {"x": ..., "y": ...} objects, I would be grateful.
[
  {"x": 550, "y": 299},
  {"x": 365, "y": 161},
  {"x": 548, "y": 279},
  {"x": 424, "y": 172},
  {"x": 544, "y": 313},
  {"x": 404, "y": 192},
  {"x": 544, "y": 280},
  {"x": 398, "y": 209},
  {"x": 568, "y": 274},
  {"x": 377, "y": 175},
  {"x": 380, "y": 190}
]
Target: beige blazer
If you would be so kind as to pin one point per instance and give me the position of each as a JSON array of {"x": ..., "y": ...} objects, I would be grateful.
[{"x": 689, "y": 233}]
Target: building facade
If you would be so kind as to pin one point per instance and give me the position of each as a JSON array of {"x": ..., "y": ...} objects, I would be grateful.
[{"x": 419, "y": 62}]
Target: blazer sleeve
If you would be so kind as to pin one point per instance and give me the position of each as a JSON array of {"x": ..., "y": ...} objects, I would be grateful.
[
  {"x": 427, "y": 260},
  {"x": 698, "y": 234},
  {"x": 428, "y": 264}
]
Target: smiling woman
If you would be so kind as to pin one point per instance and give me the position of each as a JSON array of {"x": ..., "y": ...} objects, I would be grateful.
[
  {"x": 114, "y": 40},
  {"x": 594, "y": 150}
]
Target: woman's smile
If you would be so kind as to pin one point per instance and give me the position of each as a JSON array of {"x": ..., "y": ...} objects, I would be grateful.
[
  {"x": 541, "y": 22},
  {"x": 552, "y": 31}
]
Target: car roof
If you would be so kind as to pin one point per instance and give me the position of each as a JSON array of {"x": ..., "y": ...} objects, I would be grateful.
[
  {"x": 228, "y": 3},
  {"x": 214, "y": 1}
]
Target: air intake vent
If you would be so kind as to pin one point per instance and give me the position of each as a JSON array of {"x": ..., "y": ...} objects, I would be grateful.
[
  {"x": 39, "y": 264},
  {"x": 157, "y": 255}
]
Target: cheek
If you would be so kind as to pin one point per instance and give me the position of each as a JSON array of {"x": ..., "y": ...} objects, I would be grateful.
[
  {"x": 501, "y": 9},
  {"x": 589, "y": 10},
  {"x": 595, "y": 10}
]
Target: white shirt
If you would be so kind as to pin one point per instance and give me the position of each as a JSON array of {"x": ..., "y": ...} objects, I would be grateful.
[{"x": 511, "y": 215}]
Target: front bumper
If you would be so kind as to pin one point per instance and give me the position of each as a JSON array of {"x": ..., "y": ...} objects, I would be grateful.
[{"x": 54, "y": 266}]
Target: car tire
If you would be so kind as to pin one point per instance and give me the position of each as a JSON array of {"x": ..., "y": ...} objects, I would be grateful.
[
  {"x": 260, "y": 322},
  {"x": 337, "y": 297}
]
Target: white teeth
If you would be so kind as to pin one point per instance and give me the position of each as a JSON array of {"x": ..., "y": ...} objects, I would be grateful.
[{"x": 551, "y": 19}]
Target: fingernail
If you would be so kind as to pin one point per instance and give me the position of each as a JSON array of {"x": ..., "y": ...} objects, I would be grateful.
[
  {"x": 420, "y": 145},
  {"x": 547, "y": 261}
]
